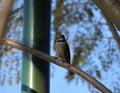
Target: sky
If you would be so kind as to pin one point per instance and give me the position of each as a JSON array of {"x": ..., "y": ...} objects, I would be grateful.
[
  {"x": 58, "y": 82},
  {"x": 15, "y": 88}
]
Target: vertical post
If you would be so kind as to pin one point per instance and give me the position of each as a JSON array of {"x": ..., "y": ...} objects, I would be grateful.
[{"x": 35, "y": 72}]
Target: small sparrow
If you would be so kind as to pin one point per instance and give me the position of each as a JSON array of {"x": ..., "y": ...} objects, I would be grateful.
[{"x": 62, "y": 49}]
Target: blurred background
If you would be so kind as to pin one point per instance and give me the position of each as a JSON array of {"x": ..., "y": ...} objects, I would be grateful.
[{"x": 92, "y": 45}]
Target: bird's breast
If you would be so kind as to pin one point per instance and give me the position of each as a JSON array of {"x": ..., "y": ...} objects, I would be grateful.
[{"x": 59, "y": 48}]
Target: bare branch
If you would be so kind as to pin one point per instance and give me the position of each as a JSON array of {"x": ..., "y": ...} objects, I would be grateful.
[
  {"x": 48, "y": 58},
  {"x": 111, "y": 9},
  {"x": 4, "y": 13},
  {"x": 114, "y": 32}
]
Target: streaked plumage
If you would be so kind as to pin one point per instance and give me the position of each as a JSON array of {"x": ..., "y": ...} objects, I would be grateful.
[{"x": 62, "y": 49}]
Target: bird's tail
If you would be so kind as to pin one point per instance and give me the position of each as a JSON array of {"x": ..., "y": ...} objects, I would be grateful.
[{"x": 70, "y": 76}]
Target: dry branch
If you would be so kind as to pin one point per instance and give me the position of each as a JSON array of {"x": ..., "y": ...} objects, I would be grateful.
[{"x": 5, "y": 7}]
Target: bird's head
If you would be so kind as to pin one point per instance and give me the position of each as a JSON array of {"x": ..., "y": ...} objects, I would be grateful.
[{"x": 59, "y": 38}]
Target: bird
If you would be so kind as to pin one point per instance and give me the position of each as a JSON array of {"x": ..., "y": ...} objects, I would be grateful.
[{"x": 62, "y": 49}]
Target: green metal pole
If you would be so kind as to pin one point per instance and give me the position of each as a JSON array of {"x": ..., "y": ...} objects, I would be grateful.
[{"x": 35, "y": 72}]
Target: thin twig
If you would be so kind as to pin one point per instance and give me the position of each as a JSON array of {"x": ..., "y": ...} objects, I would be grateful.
[{"x": 114, "y": 32}]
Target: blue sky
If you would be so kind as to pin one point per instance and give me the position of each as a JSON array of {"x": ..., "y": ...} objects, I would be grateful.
[
  {"x": 58, "y": 82},
  {"x": 15, "y": 88}
]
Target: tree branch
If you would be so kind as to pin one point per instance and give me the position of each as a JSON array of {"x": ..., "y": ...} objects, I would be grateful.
[
  {"x": 111, "y": 9},
  {"x": 4, "y": 14},
  {"x": 114, "y": 32},
  {"x": 48, "y": 58}
]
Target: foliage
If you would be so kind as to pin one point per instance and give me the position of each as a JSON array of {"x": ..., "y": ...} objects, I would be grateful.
[
  {"x": 93, "y": 46},
  {"x": 10, "y": 63}
]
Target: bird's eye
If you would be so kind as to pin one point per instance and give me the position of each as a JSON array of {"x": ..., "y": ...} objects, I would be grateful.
[
  {"x": 62, "y": 36},
  {"x": 61, "y": 41}
]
